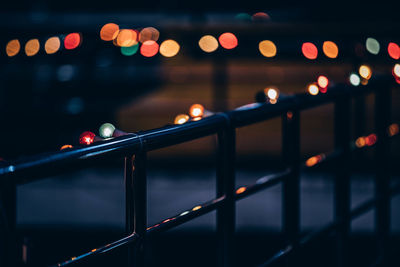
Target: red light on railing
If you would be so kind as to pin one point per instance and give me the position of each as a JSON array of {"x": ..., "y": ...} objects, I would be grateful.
[
  {"x": 72, "y": 41},
  {"x": 394, "y": 50},
  {"x": 86, "y": 138},
  {"x": 196, "y": 110},
  {"x": 65, "y": 147},
  {"x": 371, "y": 139},
  {"x": 309, "y": 50},
  {"x": 228, "y": 40}
]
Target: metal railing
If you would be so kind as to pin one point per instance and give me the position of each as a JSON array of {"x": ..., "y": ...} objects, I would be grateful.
[{"x": 134, "y": 147}]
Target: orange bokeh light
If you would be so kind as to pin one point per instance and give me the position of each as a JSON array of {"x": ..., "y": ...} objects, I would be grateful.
[
  {"x": 109, "y": 32},
  {"x": 65, "y": 147},
  {"x": 394, "y": 50},
  {"x": 393, "y": 129},
  {"x": 181, "y": 119},
  {"x": 360, "y": 142},
  {"x": 330, "y": 49},
  {"x": 149, "y": 48},
  {"x": 208, "y": 43},
  {"x": 196, "y": 110},
  {"x": 72, "y": 41},
  {"x": 52, "y": 45},
  {"x": 240, "y": 190},
  {"x": 228, "y": 40},
  {"x": 126, "y": 38},
  {"x": 32, "y": 47},
  {"x": 13, "y": 47},
  {"x": 313, "y": 89},
  {"x": 309, "y": 50}
]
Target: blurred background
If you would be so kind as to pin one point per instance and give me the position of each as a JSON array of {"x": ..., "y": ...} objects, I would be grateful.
[{"x": 69, "y": 67}]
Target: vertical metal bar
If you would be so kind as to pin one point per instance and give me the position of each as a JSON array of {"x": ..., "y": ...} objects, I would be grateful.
[
  {"x": 136, "y": 206},
  {"x": 291, "y": 184},
  {"x": 342, "y": 137},
  {"x": 382, "y": 178},
  {"x": 226, "y": 187}
]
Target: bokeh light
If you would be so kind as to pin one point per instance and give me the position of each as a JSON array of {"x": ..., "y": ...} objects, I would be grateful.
[
  {"x": 13, "y": 47},
  {"x": 354, "y": 79},
  {"x": 52, "y": 45},
  {"x": 65, "y": 147},
  {"x": 371, "y": 139},
  {"x": 314, "y": 160},
  {"x": 109, "y": 32},
  {"x": 394, "y": 50},
  {"x": 240, "y": 190},
  {"x": 393, "y": 129},
  {"x": 372, "y": 46},
  {"x": 130, "y": 50},
  {"x": 313, "y": 89},
  {"x": 32, "y": 47},
  {"x": 181, "y": 119},
  {"x": 126, "y": 38},
  {"x": 208, "y": 43},
  {"x": 360, "y": 142},
  {"x": 106, "y": 130},
  {"x": 243, "y": 16},
  {"x": 271, "y": 93},
  {"x": 72, "y": 41},
  {"x": 309, "y": 50},
  {"x": 149, "y": 48},
  {"x": 365, "y": 72},
  {"x": 396, "y": 70},
  {"x": 330, "y": 49},
  {"x": 169, "y": 48},
  {"x": 322, "y": 81},
  {"x": 267, "y": 48},
  {"x": 148, "y": 34},
  {"x": 228, "y": 40},
  {"x": 261, "y": 17},
  {"x": 86, "y": 138},
  {"x": 196, "y": 110}
]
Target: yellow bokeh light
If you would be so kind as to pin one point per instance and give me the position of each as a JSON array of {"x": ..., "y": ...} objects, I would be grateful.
[
  {"x": 208, "y": 43},
  {"x": 52, "y": 45},
  {"x": 313, "y": 89},
  {"x": 181, "y": 119},
  {"x": 330, "y": 49},
  {"x": 148, "y": 34},
  {"x": 32, "y": 47},
  {"x": 126, "y": 38},
  {"x": 13, "y": 47},
  {"x": 196, "y": 208},
  {"x": 169, "y": 48},
  {"x": 267, "y": 48},
  {"x": 365, "y": 72}
]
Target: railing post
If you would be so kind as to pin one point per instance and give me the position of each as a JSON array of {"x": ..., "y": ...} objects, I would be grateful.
[
  {"x": 136, "y": 205},
  {"x": 382, "y": 178},
  {"x": 291, "y": 184},
  {"x": 342, "y": 125},
  {"x": 226, "y": 187},
  {"x": 9, "y": 255}
]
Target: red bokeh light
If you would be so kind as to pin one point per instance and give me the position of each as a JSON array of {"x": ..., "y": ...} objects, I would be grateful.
[
  {"x": 149, "y": 48},
  {"x": 228, "y": 40},
  {"x": 394, "y": 50},
  {"x": 371, "y": 139},
  {"x": 86, "y": 138},
  {"x": 309, "y": 50},
  {"x": 72, "y": 41}
]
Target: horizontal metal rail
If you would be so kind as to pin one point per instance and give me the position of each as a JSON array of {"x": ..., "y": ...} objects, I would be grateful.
[{"x": 133, "y": 148}]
